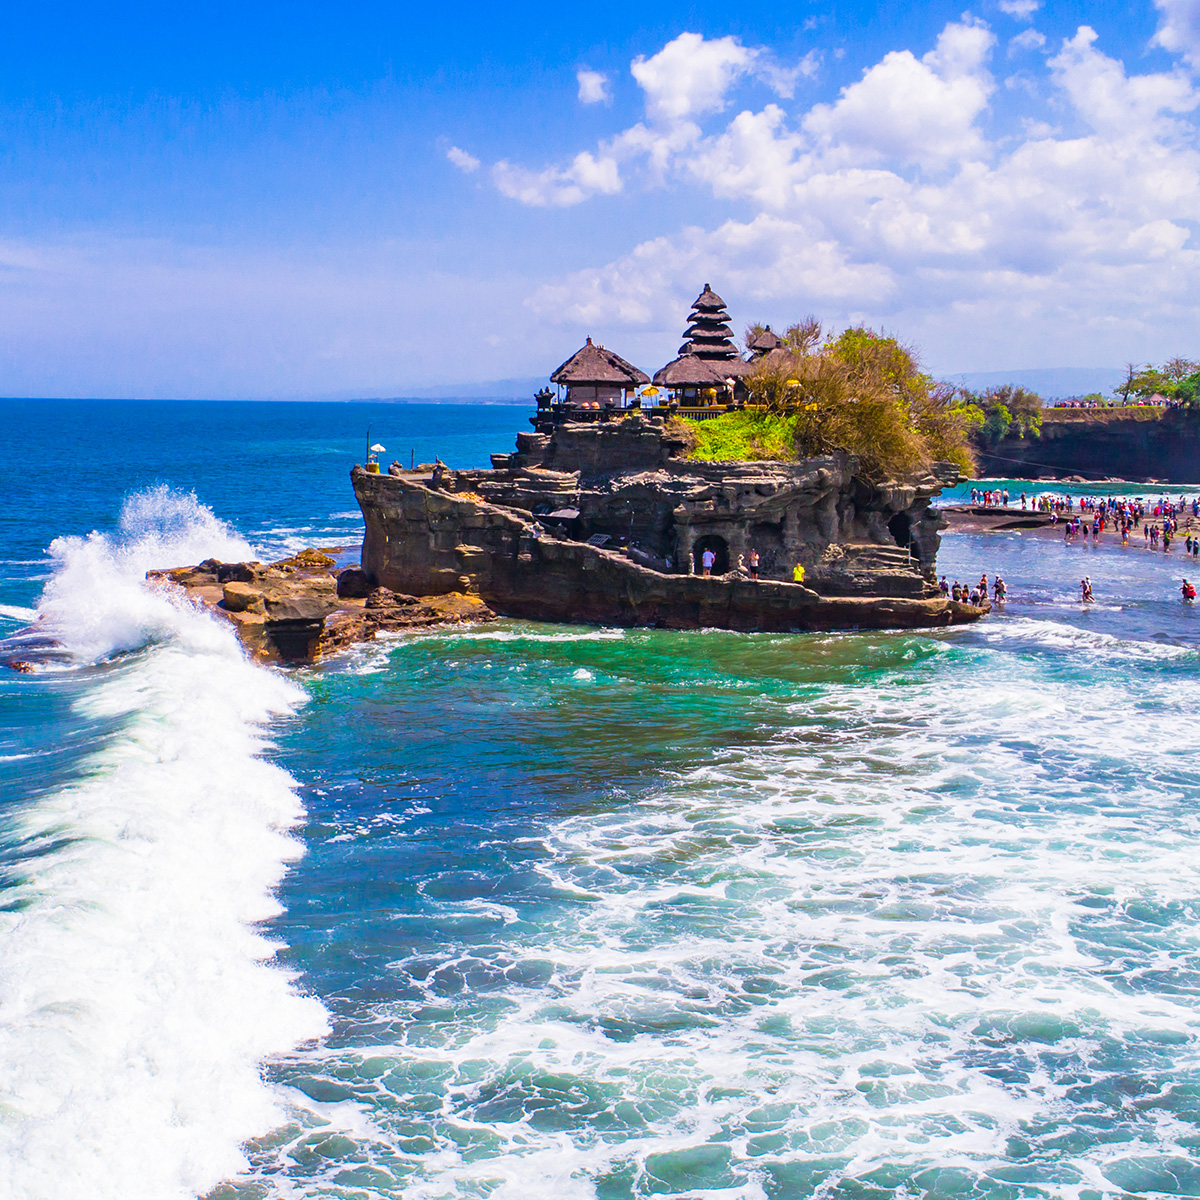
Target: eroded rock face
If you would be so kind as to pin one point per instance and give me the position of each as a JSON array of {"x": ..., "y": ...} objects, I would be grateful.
[
  {"x": 354, "y": 584},
  {"x": 519, "y": 536},
  {"x": 291, "y": 611},
  {"x": 1096, "y": 444}
]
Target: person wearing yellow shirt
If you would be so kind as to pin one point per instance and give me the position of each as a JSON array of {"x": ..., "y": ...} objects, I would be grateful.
[{"x": 798, "y": 573}]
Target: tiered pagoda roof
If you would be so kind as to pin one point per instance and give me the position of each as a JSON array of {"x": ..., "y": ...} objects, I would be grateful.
[
  {"x": 764, "y": 341},
  {"x": 594, "y": 365},
  {"x": 690, "y": 370},
  {"x": 709, "y": 334}
]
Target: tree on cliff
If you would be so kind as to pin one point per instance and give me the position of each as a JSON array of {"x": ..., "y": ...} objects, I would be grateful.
[
  {"x": 1005, "y": 411},
  {"x": 1177, "y": 380},
  {"x": 863, "y": 393}
]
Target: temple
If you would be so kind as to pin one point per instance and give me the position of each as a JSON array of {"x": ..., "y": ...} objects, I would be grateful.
[
  {"x": 704, "y": 380},
  {"x": 600, "y": 514},
  {"x": 596, "y": 378}
]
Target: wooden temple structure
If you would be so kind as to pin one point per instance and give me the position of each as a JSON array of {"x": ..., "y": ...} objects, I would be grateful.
[{"x": 705, "y": 379}]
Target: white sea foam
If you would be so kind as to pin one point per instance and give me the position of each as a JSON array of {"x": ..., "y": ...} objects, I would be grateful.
[
  {"x": 15, "y": 612},
  {"x": 885, "y": 942},
  {"x": 137, "y": 998}
]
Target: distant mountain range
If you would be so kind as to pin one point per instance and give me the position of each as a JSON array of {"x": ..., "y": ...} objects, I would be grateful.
[{"x": 1049, "y": 382}]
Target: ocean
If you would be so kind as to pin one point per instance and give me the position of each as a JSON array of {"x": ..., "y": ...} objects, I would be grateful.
[{"x": 532, "y": 912}]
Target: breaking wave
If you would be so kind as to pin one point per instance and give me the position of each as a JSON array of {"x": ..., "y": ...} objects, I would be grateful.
[{"x": 137, "y": 995}]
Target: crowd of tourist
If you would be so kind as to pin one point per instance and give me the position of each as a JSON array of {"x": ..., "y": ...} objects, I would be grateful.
[
  {"x": 1162, "y": 522},
  {"x": 978, "y": 594}
]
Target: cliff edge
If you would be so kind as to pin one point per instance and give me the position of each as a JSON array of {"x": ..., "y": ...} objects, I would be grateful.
[{"x": 605, "y": 522}]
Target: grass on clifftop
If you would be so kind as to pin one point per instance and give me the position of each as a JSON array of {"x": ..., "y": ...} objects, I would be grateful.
[
  {"x": 744, "y": 436},
  {"x": 1101, "y": 416}
]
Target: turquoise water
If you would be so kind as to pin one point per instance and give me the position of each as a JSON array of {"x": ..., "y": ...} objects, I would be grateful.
[{"x": 545, "y": 911}]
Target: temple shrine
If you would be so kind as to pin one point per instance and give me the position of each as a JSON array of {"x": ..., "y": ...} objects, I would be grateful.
[{"x": 704, "y": 380}]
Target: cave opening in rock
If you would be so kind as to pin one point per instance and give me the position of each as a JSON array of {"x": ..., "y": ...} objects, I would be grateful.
[
  {"x": 720, "y": 549},
  {"x": 901, "y": 529}
]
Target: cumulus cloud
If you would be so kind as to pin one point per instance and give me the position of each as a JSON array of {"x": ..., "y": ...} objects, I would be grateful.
[
  {"x": 593, "y": 87},
  {"x": 690, "y": 76},
  {"x": 1113, "y": 102},
  {"x": 1179, "y": 28},
  {"x": 1027, "y": 39},
  {"x": 1022, "y": 10},
  {"x": 918, "y": 109},
  {"x": 462, "y": 160},
  {"x": 895, "y": 202},
  {"x": 559, "y": 187}
]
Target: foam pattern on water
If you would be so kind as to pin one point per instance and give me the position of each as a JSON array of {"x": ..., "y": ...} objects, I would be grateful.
[
  {"x": 891, "y": 948},
  {"x": 137, "y": 993}
]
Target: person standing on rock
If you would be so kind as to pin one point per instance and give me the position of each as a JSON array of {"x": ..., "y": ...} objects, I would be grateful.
[
  {"x": 798, "y": 573},
  {"x": 752, "y": 560},
  {"x": 707, "y": 561}
]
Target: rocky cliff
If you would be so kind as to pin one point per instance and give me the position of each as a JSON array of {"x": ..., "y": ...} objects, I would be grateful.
[
  {"x": 606, "y": 522},
  {"x": 1139, "y": 444}
]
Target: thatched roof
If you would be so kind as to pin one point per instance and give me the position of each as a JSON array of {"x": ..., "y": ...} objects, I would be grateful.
[
  {"x": 707, "y": 327},
  {"x": 593, "y": 364},
  {"x": 779, "y": 359},
  {"x": 719, "y": 350},
  {"x": 760, "y": 343},
  {"x": 708, "y": 301},
  {"x": 689, "y": 370}
]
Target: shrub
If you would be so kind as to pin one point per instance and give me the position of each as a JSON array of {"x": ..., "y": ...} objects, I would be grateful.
[{"x": 865, "y": 394}]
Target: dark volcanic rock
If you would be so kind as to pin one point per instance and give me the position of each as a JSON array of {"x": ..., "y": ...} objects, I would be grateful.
[
  {"x": 354, "y": 584},
  {"x": 1089, "y": 445},
  {"x": 641, "y": 520},
  {"x": 242, "y": 572}
]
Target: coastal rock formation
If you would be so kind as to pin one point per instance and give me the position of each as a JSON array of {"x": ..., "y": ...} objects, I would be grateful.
[
  {"x": 1140, "y": 444},
  {"x": 292, "y": 612},
  {"x": 607, "y": 522}
]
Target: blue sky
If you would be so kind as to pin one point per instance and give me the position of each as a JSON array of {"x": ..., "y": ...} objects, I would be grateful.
[{"x": 363, "y": 200}]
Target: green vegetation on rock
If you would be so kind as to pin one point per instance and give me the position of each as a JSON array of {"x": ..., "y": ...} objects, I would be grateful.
[
  {"x": 748, "y": 435},
  {"x": 860, "y": 392},
  {"x": 998, "y": 412}
]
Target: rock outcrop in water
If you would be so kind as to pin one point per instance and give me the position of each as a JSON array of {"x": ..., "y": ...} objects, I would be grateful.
[
  {"x": 296, "y": 610},
  {"x": 607, "y": 522}
]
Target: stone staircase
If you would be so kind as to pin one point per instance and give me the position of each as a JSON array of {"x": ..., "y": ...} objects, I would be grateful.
[{"x": 868, "y": 569}]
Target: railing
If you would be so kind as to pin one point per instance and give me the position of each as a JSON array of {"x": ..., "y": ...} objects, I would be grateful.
[{"x": 708, "y": 413}]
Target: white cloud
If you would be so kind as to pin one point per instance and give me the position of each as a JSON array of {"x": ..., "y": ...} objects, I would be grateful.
[
  {"x": 1179, "y": 28},
  {"x": 559, "y": 188},
  {"x": 1075, "y": 246},
  {"x": 690, "y": 76},
  {"x": 1027, "y": 39},
  {"x": 593, "y": 87},
  {"x": 919, "y": 109},
  {"x": 462, "y": 160},
  {"x": 1113, "y": 102},
  {"x": 1022, "y": 10}
]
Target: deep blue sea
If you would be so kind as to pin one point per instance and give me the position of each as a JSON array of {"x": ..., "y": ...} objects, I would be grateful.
[{"x": 534, "y": 912}]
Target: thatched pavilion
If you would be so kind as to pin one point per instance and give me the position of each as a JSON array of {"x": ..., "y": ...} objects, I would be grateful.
[
  {"x": 763, "y": 342},
  {"x": 597, "y": 378}
]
